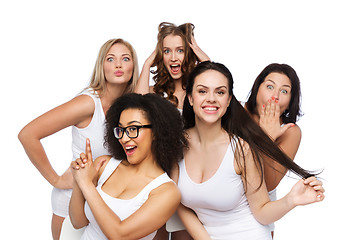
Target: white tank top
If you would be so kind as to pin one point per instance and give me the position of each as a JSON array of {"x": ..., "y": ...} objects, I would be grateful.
[
  {"x": 121, "y": 207},
  {"x": 220, "y": 203},
  {"x": 94, "y": 131}
]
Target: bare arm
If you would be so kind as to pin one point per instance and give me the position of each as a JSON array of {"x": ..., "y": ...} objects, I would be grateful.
[
  {"x": 76, "y": 205},
  {"x": 265, "y": 211},
  {"x": 202, "y": 56},
  {"x": 287, "y": 137},
  {"x": 74, "y": 112},
  {"x": 153, "y": 214},
  {"x": 144, "y": 79},
  {"x": 188, "y": 217}
]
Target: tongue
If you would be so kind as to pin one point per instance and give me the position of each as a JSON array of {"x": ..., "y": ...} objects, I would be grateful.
[{"x": 175, "y": 69}]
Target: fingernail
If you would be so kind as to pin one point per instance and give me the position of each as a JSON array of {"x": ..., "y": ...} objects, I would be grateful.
[
  {"x": 276, "y": 101},
  {"x": 263, "y": 106},
  {"x": 273, "y": 98}
]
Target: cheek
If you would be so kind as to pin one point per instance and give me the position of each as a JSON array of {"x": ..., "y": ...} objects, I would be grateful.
[{"x": 284, "y": 103}]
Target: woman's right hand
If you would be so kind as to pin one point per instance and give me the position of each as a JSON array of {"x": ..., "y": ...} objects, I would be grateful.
[{"x": 65, "y": 181}]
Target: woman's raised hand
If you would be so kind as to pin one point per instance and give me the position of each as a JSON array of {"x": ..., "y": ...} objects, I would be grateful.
[
  {"x": 84, "y": 170},
  {"x": 269, "y": 119}
]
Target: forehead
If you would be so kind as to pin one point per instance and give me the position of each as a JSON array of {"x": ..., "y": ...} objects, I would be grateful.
[
  {"x": 278, "y": 78},
  {"x": 119, "y": 49},
  {"x": 211, "y": 79},
  {"x": 172, "y": 41},
  {"x": 132, "y": 115}
]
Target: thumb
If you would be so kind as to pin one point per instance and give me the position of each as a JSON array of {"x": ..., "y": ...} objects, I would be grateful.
[
  {"x": 286, "y": 127},
  {"x": 100, "y": 163}
]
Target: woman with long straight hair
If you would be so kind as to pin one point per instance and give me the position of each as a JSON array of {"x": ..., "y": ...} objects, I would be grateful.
[{"x": 221, "y": 177}]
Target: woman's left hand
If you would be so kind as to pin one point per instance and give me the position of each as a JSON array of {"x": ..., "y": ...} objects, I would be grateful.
[
  {"x": 307, "y": 191},
  {"x": 202, "y": 56},
  {"x": 83, "y": 169}
]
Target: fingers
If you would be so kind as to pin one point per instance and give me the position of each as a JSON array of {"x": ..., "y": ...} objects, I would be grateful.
[
  {"x": 88, "y": 150},
  {"x": 317, "y": 186}
]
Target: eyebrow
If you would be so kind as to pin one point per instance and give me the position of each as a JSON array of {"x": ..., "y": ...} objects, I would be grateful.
[
  {"x": 175, "y": 48},
  {"x": 200, "y": 85},
  {"x": 131, "y": 122},
  {"x": 124, "y": 54},
  {"x": 275, "y": 83}
]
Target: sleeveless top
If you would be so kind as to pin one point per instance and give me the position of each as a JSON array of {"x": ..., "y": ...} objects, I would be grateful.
[
  {"x": 121, "y": 207},
  {"x": 220, "y": 202},
  {"x": 94, "y": 131}
]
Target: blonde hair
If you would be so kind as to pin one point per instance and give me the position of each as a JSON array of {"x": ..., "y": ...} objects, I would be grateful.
[{"x": 97, "y": 81}]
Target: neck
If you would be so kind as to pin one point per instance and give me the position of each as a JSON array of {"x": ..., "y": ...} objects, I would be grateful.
[
  {"x": 178, "y": 84},
  {"x": 111, "y": 94},
  {"x": 147, "y": 167},
  {"x": 209, "y": 133}
]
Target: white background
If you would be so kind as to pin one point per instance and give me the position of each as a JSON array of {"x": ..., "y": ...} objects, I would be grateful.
[{"x": 47, "y": 54}]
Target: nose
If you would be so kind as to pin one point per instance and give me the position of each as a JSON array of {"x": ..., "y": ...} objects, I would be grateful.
[
  {"x": 118, "y": 63},
  {"x": 173, "y": 56},
  {"x": 275, "y": 95},
  {"x": 211, "y": 97}
]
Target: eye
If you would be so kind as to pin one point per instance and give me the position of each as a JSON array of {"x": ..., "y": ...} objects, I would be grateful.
[
  {"x": 221, "y": 92},
  {"x": 110, "y": 59},
  {"x": 132, "y": 128},
  {"x": 166, "y": 51},
  {"x": 202, "y": 91},
  {"x": 126, "y": 59},
  {"x": 180, "y": 50},
  {"x": 284, "y": 91},
  {"x": 270, "y": 87}
]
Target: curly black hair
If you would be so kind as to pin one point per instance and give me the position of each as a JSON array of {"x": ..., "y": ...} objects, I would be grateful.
[{"x": 169, "y": 139}]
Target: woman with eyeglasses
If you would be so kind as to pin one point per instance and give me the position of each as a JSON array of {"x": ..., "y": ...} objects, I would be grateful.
[
  {"x": 115, "y": 73},
  {"x": 129, "y": 195}
]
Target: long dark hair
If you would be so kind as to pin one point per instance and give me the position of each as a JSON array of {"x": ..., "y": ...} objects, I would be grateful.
[
  {"x": 293, "y": 112},
  {"x": 169, "y": 140},
  {"x": 238, "y": 124}
]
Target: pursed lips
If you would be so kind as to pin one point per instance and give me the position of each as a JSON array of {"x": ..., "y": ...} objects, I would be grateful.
[{"x": 118, "y": 73}]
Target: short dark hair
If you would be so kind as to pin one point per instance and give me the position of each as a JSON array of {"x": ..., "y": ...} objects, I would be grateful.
[
  {"x": 292, "y": 114},
  {"x": 167, "y": 127}
]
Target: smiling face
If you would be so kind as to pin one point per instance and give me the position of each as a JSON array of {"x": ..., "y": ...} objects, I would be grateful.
[
  {"x": 275, "y": 85},
  {"x": 118, "y": 65},
  {"x": 210, "y": 96},
  {"x": 173, "y": 55},
  {"x": 137, "y": 149}
]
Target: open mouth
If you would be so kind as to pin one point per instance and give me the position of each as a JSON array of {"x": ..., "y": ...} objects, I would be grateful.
[
  {"x": 175, "y": 68},
  {"x": 130, "y": 150},
  {"x": 210, "y": 109}
]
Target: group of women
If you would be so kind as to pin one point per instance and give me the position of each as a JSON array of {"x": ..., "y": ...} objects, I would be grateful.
[{"x": 183, "y": 157}]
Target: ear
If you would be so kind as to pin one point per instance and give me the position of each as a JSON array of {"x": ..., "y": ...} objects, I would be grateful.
[
  {"x": 190, "y": 100},
  {"x": 229, "y": 100}
]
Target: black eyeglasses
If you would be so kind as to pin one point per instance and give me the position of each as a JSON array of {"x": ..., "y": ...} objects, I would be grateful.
[{"x": 131, "y": 131}]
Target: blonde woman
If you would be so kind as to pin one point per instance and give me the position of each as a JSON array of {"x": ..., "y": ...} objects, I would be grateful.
[{"x": 115, "y": 73}]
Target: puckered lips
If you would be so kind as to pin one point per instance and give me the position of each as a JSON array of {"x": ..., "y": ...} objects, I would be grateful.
[{"x": 118, "y": 73}]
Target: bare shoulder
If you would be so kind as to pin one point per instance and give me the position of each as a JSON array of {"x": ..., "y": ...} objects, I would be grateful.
[
  {"x": 293, "y": 133},
  {"x": 167, "y": 190},
  {"x": 99, "y": 159},
  {"x": 151, "y": 89}
]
